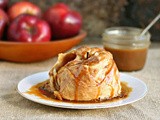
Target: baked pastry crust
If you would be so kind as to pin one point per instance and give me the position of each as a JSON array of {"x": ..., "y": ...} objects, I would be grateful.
[{"x": 85, "y": 74}]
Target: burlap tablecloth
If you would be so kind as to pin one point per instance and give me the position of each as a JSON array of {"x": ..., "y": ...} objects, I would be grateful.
[{"x": 14, "y": 106}]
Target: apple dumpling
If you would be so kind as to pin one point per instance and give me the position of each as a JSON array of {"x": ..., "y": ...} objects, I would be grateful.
[{"x": 85, "y": 74}]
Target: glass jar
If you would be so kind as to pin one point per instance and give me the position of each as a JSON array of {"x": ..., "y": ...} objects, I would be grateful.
[{"x": 128, "y": 48}]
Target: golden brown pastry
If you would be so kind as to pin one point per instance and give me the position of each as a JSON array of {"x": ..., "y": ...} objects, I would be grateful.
[{"x": 85, "y": 74}]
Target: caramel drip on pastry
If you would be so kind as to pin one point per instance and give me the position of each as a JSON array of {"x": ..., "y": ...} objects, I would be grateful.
[
  {"x": 77, "y": 79},
  {"x": 115, "y": 70},
  {"x": 98, "y": 92},
  {"x": 112, "y": 91},
  {"x": 107, "y": 72},
  {"x": 116, "y": 76}
]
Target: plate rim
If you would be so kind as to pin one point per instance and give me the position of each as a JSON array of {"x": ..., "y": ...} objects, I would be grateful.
[{"x": 83, "y": 106}]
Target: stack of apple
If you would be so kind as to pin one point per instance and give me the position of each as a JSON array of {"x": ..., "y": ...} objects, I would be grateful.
[{"x": 25, "y": 22}]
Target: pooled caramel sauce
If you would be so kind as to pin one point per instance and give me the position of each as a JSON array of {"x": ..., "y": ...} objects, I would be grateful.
[{"x": 35, "y": 90}]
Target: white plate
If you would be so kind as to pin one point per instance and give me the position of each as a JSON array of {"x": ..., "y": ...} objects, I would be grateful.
[{"x": 138, "y": 92}]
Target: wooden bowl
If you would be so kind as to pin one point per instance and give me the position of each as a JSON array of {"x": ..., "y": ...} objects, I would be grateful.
[{"x": 33, "y": 52}]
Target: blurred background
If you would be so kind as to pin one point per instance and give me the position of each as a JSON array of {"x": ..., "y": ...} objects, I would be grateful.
[{"x": 100, "y": 14}]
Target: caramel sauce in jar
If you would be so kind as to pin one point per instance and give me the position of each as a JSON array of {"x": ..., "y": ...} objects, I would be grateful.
[
  {"x": 128, "y": 48},
  {"x": 128, "y": 60}
]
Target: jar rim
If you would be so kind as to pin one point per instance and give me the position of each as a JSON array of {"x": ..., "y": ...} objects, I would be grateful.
[
  {"x": 114, "y": 30},
  {"x": 126, "y": 36}
]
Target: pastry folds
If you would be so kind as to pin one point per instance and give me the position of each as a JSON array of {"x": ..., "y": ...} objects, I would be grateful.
[{"x": 85, "y": 74}]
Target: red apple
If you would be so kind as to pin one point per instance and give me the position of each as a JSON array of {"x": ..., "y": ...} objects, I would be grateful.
[
  {"x": 3, "y": 4},
  {"x": 61, "y": 5},
  {"x": 23, "y": 7},
  {"x": 3, "y": 22},
  {"x": 63, "y": 21},
  {"x": 29, "y": 28}
]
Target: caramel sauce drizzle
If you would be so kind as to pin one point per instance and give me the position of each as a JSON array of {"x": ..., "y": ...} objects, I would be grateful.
[
  {"x": 112, "y": 91},
  {"x": 34, "y": 90},
  {"x": 98, "y": 93},
  {"x": 116, "y": 77},
  {"x": 77, "y": 79},
  {"x": 125, "y": 89},
  {"x": 107, "y": 72}
]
